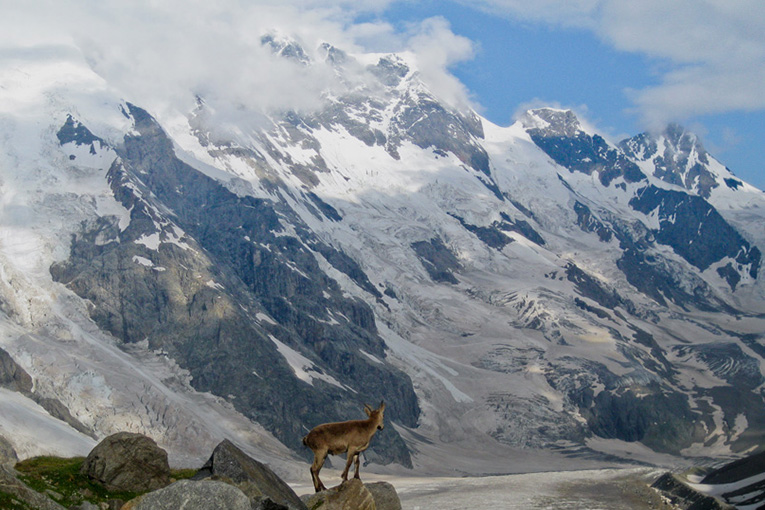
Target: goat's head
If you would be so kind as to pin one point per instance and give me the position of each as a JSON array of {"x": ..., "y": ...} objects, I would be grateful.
[{"x": 376, "y": 414}]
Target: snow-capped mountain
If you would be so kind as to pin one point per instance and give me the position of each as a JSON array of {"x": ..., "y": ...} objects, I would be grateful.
[{"x": 505, "y": 290}]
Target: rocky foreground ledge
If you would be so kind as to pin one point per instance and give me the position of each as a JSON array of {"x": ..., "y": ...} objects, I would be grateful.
[{"x": 129, "y": 471}]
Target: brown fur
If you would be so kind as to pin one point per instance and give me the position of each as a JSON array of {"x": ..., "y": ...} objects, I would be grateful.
[{"x": 340, "y": 437}]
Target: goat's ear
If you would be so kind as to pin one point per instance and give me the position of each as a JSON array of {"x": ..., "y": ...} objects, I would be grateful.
[
  {"x": 368, "y": 409},
  {"x": 382, "y": 405}
]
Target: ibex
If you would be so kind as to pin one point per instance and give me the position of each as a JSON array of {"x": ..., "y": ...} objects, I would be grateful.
[{"x": 339, "y": 437}]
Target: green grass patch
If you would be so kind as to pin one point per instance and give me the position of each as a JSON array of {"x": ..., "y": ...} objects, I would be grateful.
[
  {"x": 60, "y": 479},
  {"x": 182, "y": 474},
  {"x": 11, "y": 502}
]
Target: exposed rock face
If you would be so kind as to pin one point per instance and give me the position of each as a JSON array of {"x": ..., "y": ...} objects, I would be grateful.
[
  {"x": 695, "y": 230},
  {"x": 438, "y": 260},
  {"x": 12, "y": 376},
  {"x": 254, "y": 478},
  {"x": 192, "y": 495},
  {"x": 128, "y": 462},
  {"x": 222, "y": 284},
  {"x": 8, "y": 455},
  {"x": 685, "y": 497},
  {"x": 739, "y": 482},
  {"x": 678, "y": 156},
  {"x": 737, "y": 470},
  {"x": 560, "y": 135}
]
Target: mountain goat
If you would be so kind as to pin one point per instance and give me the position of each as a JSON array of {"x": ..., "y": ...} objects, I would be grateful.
[{"x": 347, "y": 436}]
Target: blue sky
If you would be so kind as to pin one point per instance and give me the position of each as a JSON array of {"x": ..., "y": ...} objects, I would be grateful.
[{"x": 521, "y": 59}]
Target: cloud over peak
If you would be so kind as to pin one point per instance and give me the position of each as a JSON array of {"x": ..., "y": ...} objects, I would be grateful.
[{"x": 163, "y": 55}]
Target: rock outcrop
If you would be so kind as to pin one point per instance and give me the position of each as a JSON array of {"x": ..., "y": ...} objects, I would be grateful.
[
  {"x": 128, "y": 462},
  {"x": 8, "y": 455},
  {"x": 686, "y": 497},
  {"x": 355, "y": 495},
  {"x": 192, "y": 495},
  {"x": 10, "y": 484},
  {"x": 255, "y": 479},
  {"x": 229, "y": 480},
  {"x": 351, "y": 494},
  {"x": 385, "y": 495}
]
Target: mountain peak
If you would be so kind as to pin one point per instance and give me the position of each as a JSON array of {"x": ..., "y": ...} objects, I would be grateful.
[
  {"x": 679, "y": 158},
  {"x": 286, "y": 47},
  {"x": 391, "y": 69},
  {"x": 682, "y": 139},
  {"x": 552, "y": 121},
  {"x": 332, "y": 54}
]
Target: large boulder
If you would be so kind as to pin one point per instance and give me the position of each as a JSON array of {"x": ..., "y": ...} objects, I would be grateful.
[
  {"x": 385, "y": 496},
  {"x": 192, "y": 495},
  {"x": 350, "y": 495},
  {"x": 355, "y": 495},
  {"x": 128, "y": 462},
  {"x": 257, "y": 480}
]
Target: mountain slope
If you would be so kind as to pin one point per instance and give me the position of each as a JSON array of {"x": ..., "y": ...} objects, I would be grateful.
[{"x": 531, "y": 288}]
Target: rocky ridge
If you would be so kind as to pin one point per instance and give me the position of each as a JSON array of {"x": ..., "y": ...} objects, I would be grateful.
[{"x": 229, "y": 480}]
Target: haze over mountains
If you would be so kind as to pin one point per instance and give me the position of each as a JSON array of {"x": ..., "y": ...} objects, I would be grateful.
[{"x": 510, "y": 292}]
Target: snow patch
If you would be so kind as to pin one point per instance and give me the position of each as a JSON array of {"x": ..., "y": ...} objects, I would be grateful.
[
  {"x": 304, "y": 369},
  {"x": 151, "y": 241}
]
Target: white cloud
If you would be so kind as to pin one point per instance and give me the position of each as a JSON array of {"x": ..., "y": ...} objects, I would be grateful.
[
  {"x": 161, "y": 55},
  {"x": 711, "y": 52},
  {"x": 438, "y": 49}
]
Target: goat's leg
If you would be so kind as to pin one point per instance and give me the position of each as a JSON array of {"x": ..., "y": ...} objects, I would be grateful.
[
  {"x": 351, "y": 454},
  {"x": 356, "y": 475},
  {"x": 318, "y": 462}
]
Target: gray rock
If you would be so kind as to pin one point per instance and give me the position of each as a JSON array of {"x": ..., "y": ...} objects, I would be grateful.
[
  {"x": 8, "y": 455},
  {"x": 385, "y": 496},
  {"x": 684, "y": 497},
  {"x": 86, "y": 505},
  {"x": 353, "y": 495},
  {"x": 32, "y": 499},
  {"x": 12, "y": 376},
  {"x": 59, "y": 411},
  {"x": 266, "y": 504},
  {"x": 192, "y": 495},
  {"x": 257, "y": 480},
  {"x": 350, "y": 495},
  {"x": 128, "y": 462}
]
